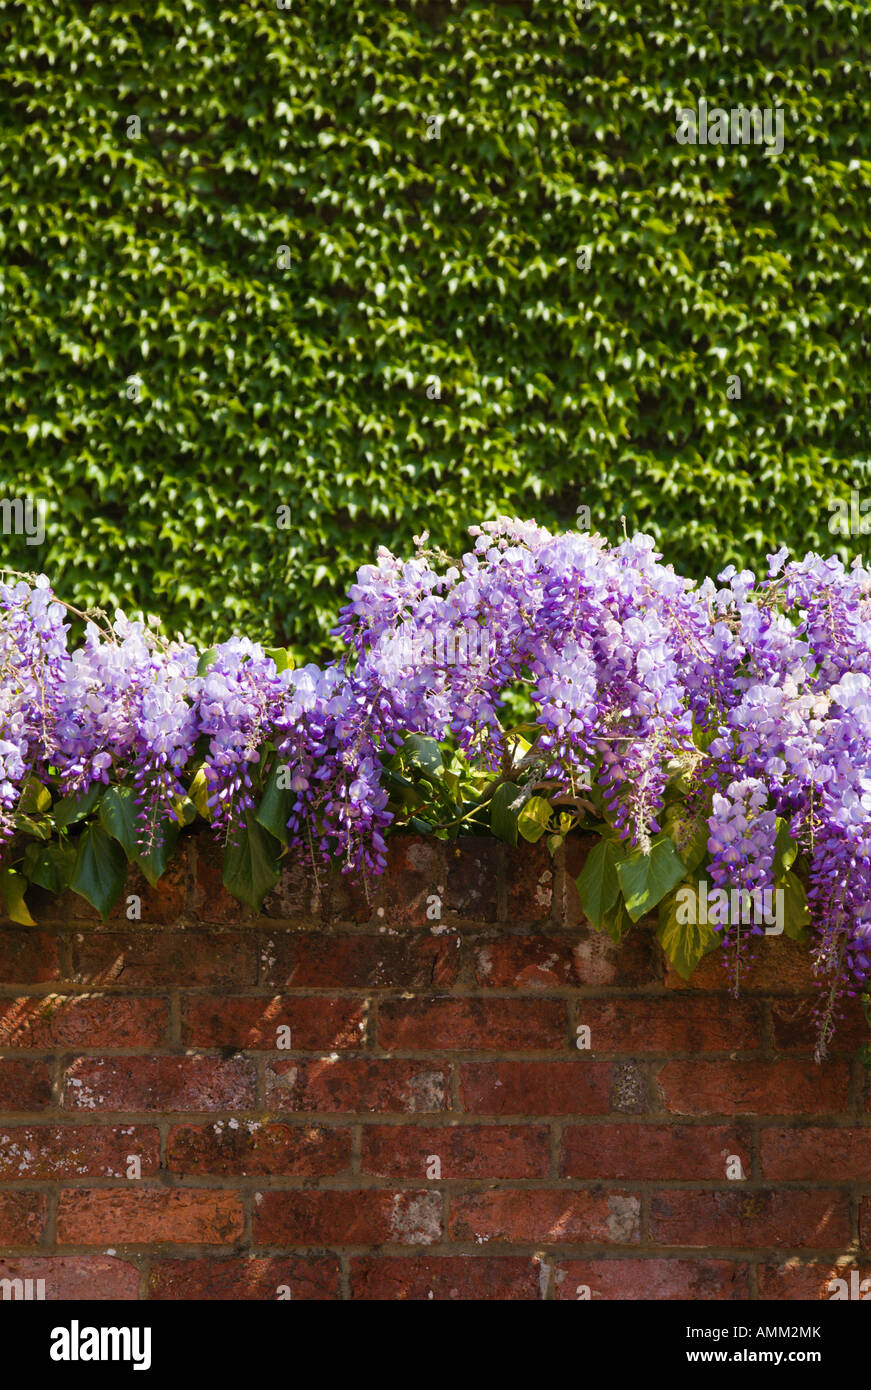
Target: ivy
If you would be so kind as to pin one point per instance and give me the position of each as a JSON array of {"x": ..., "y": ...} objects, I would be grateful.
[{"x": 152, "y": 257}]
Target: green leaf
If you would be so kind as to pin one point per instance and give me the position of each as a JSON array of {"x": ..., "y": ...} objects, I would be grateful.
[
  {"x": 35, "y": 798},
  {"x": 198, "y": 791},
  {"x": 206, "y": 660},
  {"x": 689, "y": 833},
  {"x": 155, "y": 860},
  {"x": 74, "y": 808},
  {"x": 533, "y": 819},
  {"x": 785, "y": 849},
  {"x": 282, "y": 658},
  {"x": 100, "y": 869},
  {"x": 598, "y": 884},
  {"x": 12, "y": 886},
  {"x": 646, "y": 878},
  {"x": 274, "y": 810},
  {"x": 796, "y": 918},
  {"x": 49, "y": 866},
  {"x": 424, "y": 753},
  {"x": 185, "y": 810},
  {"x": 250, "y": 865},
  {"x": 38, "y": 829},
  {"x": 118, "y": 818},
  {"x": 505, "y": 807},
  {"x": 685, "y": 943},
  {"x": 616, "y": 920}
]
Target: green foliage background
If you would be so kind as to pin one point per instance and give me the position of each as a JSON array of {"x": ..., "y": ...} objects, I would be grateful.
[{"x": 415, "y": 257}]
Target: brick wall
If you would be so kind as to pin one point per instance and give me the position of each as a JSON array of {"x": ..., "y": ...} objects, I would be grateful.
[{"x": 432, "y": 1031}]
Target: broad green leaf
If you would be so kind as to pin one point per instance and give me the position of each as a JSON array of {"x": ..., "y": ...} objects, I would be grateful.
[
  {"x": 251, "y": 864},
  {"x": 422, "y": 752},
  {"x": 206, "y": 659},
  {"x": 533, "y": 819},
  {"x": 616, "y": 920},
  {"x": 155, "y": 860},
  {"x": 785, "y": 849},
  {"x": 684, "y": 942},
  {"x": 100, "y": 869},
  {"x": 74, "y": 808},
  {"x": 12, "y": 888},
  {"x": 274, "y": 810},
  {"x": 49, "y": 866},
  {"x": 185, "y": 810},
  {"x": 796, "y": 918},
  {"x": 35, "y": 799},
  {"x": 598, "y": 884},
  {"x": 282, "y": 658},
  {"x": 646, "y": 878},
  {"x": 505, "y": 807},
  {"x": 198, "y": 791},
  {"x": 689, "y": 833},
  {"x": 37, "y": 829},
  {"x": 118, "y": 818}
]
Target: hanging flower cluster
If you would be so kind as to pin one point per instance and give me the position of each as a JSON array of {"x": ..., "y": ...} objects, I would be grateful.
[{"x": 716, "y": 731}]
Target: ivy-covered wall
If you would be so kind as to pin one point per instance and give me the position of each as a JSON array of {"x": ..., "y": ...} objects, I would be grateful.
[{"x": 428, "y": 348}]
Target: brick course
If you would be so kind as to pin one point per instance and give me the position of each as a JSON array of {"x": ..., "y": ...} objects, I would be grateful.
[{"x": 432, "y": 1131}]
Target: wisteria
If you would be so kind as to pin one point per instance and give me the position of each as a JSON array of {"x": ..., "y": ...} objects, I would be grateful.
[{"x": 746, "y": 700}]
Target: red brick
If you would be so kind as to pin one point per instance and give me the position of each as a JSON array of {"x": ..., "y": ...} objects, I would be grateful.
[
  {"x": 754, "y": 1088},
  {"x": 751, "y": 1218},
  {"x": 416, "y": 868},
  {"x": 248, "y": 1148},
  {"x": 546, "y": 1217},
  {"x": 795, "y": 1030},
  {"x": 22, "y": 1217},
  {"x": 792, "y": 1281},
  {"x": 165, "y": 901},
  {"x": 671, "y": 1024},
  {"x": 365, "y": 1085},
  {"x": 28, "y": 956},
  {"x": 783, "y": 966},
  {"x": 47, "y": 1152},
  {"x": 347, "y": 1218},
  {"x": 473, "y": 869},
  {"x": 526, "y": 962},
  {"x": 654, "y": 1279},
  {"x": 77, "y": 1278},
  {"x": 578, "y": 1087},
  {"x": 831, "y": 1154},
  {"x": 443, "y": 1278},
  {"x": 148, "y": 1216},
  {"x": 465, "y": 1151},
  {"x": 149, "y": 958},
  {"x": 298, "y": 893},
  {"x": 244, "y": 1279},
  {"x": 652, "y": 1151},
  {"x": 82, "y": 1021},
  {"x": 865, "y": 1224},
  {"x": 632, "y": 963},
  {"x": 407, "y": 960},
  {"x": 529, "y": 872},
  {"x": 253, "y": 1023},
  {"x": 557, "y": 962},
  {"x": 159, "y": 1083},
  {"x": 24, "y": 1086},
  {"x": 511, "y": 1025}
]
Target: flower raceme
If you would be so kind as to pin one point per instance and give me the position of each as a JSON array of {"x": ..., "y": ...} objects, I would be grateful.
[{"x": 739, "y": 708}]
